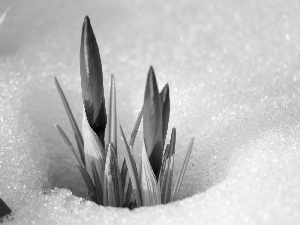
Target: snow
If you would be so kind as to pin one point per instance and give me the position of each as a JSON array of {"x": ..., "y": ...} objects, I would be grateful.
[{"x": 233, "y": 71}]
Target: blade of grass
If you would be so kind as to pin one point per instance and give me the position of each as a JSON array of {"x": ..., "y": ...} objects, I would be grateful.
[
  {"x": 149, "y": 187},
  {"x": 98, "y": 186},
  {"x": 82, "y": 169},
  {"x": 136, "y": 128},
  {"x": 112, "y": 116},
  {"x": 132, "y": 171},
  {"x": 183, "y": 169},
  {"x": 74, "y": 125}
]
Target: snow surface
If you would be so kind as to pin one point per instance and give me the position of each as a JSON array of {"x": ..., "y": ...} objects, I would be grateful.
[{"x": 233, "y": 69}]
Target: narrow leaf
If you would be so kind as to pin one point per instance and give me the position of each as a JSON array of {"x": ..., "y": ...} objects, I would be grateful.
[
  {"x": 149, "y": 186},
  {"x": 124, "y": 172},
  {"x": 166, "y": 174},
  {"x": 132, "y": 171},
  {"x": 75, "y": 128},
  {"x": 98, "y": 186},
  {"x": 136, "y": 128},
  {"x": 92, "y": 81},
  {"x": 89, "y": 183},
  {"x": 112, "y": 180},
  {"x": 4, "y": 210},
  {"x": 152, "y": 123},
  {"x": 183, "y": 169},
  {"x": 112, "y": 116},
  {"x": 128, "y": 194},
  {"x": 69, "y": 145},
  {"x": 93, "y": 149},
  {"x": 109, "y": 192},
  {"x": 81, "y": 167},
  {"x": 165, "y": 108},
  {"x": 164, "y": 162},
  {"x": 167, "y": 180}
]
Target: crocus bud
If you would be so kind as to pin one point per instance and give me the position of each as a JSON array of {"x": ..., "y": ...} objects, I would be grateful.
[
  {"x": 152, "y": 123},
  {"x": 92, "y": 81}
]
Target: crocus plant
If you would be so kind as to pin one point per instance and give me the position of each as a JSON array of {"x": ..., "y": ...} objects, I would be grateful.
[{"x": 97, "y": 150}]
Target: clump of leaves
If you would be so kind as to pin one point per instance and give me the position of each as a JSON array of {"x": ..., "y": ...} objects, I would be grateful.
[{"x": 97, "y": 150}]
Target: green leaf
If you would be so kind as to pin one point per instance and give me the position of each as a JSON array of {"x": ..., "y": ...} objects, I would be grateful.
[
  {"x": 4, "y": 210},
  {"x": 167, "y": 181},
  {"x": 92, "y": 81},
  {"x": 113, "y": 193},
  {"x": 152, "y": 123},
  {"x": 75, "y": 128},
  {"x": 88, "y": 182},
  {"x": 165, "y": 107},
  {"x": 182, "y": 171},
  {"x": 131, "y": 165},
  {"x": 136, "y": 128},
  {"x": 167, "y": 173},
  {"x": 112, "y": 116},
  {"x": 149, "y": 187},
  {"x": 128, "y": 194},
  {"x": 93, "y": 149},
  {"x": 163, "y": 165},
  {"x": 81, "y": 167},
  {"x": 98, "y": 186},
  {"x": 124, "y": 173},
  {"x": 69, "y": 144}
]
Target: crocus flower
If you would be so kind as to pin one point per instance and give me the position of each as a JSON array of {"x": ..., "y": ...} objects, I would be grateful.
[{"x": 92, "y": 81}]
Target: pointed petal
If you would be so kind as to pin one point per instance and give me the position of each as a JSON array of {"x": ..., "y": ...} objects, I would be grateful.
[
  {"x": 93, "y": 149},
  {"x": 165, "y": 106},
  {"x": 92, "y": 80},
  {"x": 152, "y": 123}
]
